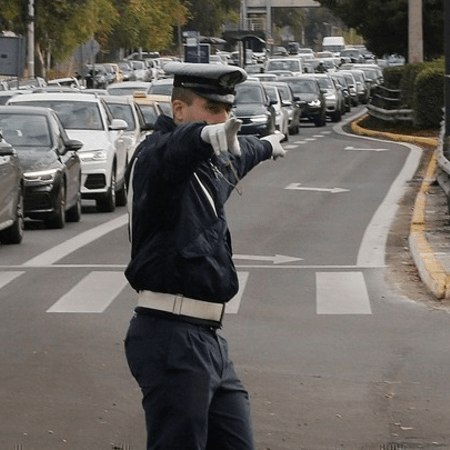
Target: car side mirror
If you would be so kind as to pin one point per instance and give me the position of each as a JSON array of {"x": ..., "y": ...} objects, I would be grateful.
[
  {"x": 73, "y": 145},
  {"x": 118, "y": 124},
  {"x": 286, "y": 103},
  {"x": 6, "y": 149},
  {"x": 148, "y": 127}
]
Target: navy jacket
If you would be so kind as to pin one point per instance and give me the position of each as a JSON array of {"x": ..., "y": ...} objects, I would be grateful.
[{"x": 180, "y": 242}]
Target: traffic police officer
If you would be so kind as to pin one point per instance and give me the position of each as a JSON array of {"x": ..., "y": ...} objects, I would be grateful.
[{"x": 181, "y": 263}]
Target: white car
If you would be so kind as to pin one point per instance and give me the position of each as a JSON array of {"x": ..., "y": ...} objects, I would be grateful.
[
  {"x": 281, "y": 113},
  {"x": 103, "y": 155},
  {"x": 292, "y": 64}
]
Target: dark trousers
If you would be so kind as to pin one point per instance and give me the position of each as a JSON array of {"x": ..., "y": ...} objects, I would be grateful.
[{"x": 192, "y": 397}]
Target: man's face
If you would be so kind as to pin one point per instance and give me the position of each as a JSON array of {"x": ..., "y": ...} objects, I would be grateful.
[{"x": 200, "y": 110}]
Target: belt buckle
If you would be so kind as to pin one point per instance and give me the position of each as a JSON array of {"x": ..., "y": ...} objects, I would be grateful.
[{"x": 177, "y": 305}]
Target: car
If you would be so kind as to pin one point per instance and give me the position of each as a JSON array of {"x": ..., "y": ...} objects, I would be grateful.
[
  {"x": 114, "y": 74},
  {"x": 351, "y": 83},
  {"x": 125, "y": 107},
  {"x": 70, "y": 82},
  {"x": 103, "y": 156},
  {"x": 161, "y": 86},
  {"x": 50, "y": 164},
  {"x": 128, "y": 87},
  {"x": 334, "y": 100},
  {"x": 95, "y": 75},
  {"x": 127, "y": 70},
  {"x": 292, "y": 64},
  {"x": 354, "y": 54},
  {"x": 252, "y": 105},
  {"x": 281, "y": 113},
  {"x": 341, "y": 83},
  {"x": 362, "y": 87},
  {"x": 149, "y": 107},
  {"x": 11, "y": 195},
  {"x": 164, "y": 101},
  {"x": 310, "y": 98},
  {"x": 139, "y": 70},
  {"x": 293, "y": 110}
]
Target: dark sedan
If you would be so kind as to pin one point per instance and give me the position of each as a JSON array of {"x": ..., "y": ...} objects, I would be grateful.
[
  {"x": 253, "y": 106},
  {"x": 310, "y": 97},
  {"x": 50, "y": 164},
  {"x": 11, "y": 199}
]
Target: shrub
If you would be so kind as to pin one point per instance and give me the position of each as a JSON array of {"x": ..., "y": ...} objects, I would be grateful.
[{"x": 429, "y": 97}]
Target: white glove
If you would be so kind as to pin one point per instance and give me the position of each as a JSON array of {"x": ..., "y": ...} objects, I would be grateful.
[
  {"x": 275, "y": 139},
  {"x": 223, "y": 136}
]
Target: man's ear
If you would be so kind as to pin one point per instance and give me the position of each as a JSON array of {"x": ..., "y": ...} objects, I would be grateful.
[{"x": 178, "y": 108}]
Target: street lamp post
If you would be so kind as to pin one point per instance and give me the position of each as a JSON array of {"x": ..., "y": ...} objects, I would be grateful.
[{"x": 31, "y": 39}]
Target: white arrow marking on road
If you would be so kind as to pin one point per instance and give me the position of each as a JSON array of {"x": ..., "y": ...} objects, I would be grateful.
[
  {"x": 277, "y": 259},
  {"x": 299, "y": 187},
  {"x": 368, "y": 149}
]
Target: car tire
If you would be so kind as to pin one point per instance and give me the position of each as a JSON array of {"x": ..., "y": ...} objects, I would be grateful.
[
  {"x": 336, "y": 116},
  {"x": 107, "y": 203},
  {"x": 74, "y": 214},
  {"x": 14, "y": 233},
  {"x": 121, "y": 196},
  {"x": 58, "y": 218}
]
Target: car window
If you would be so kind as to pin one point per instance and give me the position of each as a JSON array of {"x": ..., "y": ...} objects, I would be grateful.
[
  {"x": 249, "y": 94},
  {"x": 161, "y": 89},
  {"x": 73, "y": 115},
  {"x": 325, "y": 83},
  {"x": 121, "y": 111},
  {"x": 305, "y": 86},
  {"x": 291, "y": 65},
  {"x": 149, "y": 113},
  {"x": 22, "y": 130},
  {"x": 272, "y": 93}
]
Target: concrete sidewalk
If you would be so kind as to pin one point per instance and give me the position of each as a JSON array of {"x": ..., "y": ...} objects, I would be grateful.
[{"x": 429, "y": 236}]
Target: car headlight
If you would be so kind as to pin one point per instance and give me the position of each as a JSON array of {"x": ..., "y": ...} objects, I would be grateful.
[
  {"x": 314, "y": 103},
  {"x": 93, "y": 155},
  {"x": 42, "y": 176},
  {"x": 259, "y": 119},
  {"x": 331, "y": 97}
]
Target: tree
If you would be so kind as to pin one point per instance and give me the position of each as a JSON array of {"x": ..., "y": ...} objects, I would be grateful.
[
  {"x": 384, "y": 24},
  {"x": 147, "y": 23}
]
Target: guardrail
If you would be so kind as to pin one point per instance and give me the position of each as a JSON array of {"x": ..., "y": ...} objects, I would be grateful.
[
  {"x": 385, "y": 104},
  {"x": 443, "y": 169}
]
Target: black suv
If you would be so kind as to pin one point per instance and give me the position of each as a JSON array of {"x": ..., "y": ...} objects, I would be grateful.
[
  {"x": 253, "y": 106},
  {"x": 310, "y": 98}
]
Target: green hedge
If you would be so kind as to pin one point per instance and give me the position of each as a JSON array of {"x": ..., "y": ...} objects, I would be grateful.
[{"x": 422, "y": 89}]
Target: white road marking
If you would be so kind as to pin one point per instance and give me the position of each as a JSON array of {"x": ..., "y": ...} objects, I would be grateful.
[
  {"x": 341, "y": 293},
  {"x": 233, "y": 305},
  {"x": 367, "y": 149},
  {"x": 62, "y": 250},
  {"x": 7, "y": 277},
  {"x": 93, "y": 294},
  {"x": 277, "y": 259},
  {"x": 299, "y": 187}
]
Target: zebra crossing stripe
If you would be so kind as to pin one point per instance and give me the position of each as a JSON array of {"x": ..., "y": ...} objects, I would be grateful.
[
  {"x": 7, "y": 277},
  {"x": 93, "y": 294},
  {"x": 342, "y": 293}
]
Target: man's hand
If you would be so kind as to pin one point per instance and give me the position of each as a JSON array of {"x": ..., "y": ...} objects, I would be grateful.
[
  {"x": 275, "y": 139},
  {"x": 223, "y": 136}
]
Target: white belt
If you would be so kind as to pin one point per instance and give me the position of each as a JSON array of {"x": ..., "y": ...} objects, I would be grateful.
[{"x": 181, "y": 306}]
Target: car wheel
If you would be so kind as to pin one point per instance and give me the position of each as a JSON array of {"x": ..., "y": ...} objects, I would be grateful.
[
  {"x": 336, "y": 116},
  {"x": 58, "y": 219},
  {"x": 121, "y": 196},
  {"x": 74, "y": 214},
  {"x": 14, "y": 233},
  {"x": 108, "y": 202}
]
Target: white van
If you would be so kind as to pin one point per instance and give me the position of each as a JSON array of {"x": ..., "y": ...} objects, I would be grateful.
[{"x": 333, "y": 44}]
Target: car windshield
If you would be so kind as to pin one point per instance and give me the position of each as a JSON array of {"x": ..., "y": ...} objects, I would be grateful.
[
  {"x": 284, "y": 93},
  {"x": 249, "y": 94},
  {"x": 292, "y": 65},
  {"x": 272, "y": 93},
  {"x": 73, "y": 115},
  {"x": 125, "y": 90},
  {"x": 304, "y": 86},
  {"x": 149, "y": 113},
  {"x": 124, "y": 112},
  {"x": 161, "y": 88},
  {"x": 325, "y": 83},
  {"x": 22, "y": 130}
]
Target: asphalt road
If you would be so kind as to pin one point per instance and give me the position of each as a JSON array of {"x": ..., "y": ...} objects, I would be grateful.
[{"x": 332, "y": 351}]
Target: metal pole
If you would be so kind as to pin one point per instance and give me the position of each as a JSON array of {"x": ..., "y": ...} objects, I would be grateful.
[
  {"x": 447, "y": 67},
  {"x": 415, "y": 31},
  {"x": 31, "y": 39}
]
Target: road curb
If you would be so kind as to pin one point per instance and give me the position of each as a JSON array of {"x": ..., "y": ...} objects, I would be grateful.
[{"x": 431, "y": 271}]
